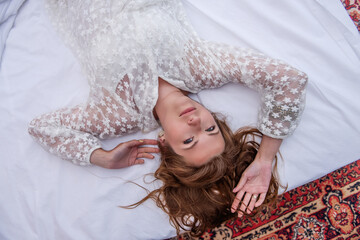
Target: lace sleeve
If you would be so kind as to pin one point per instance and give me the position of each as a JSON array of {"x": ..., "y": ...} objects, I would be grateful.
[
  {"x": 73, "y": 133},
  {"x": 281, "y": 86}
]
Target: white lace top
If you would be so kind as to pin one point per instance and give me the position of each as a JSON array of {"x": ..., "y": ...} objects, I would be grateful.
[{"x": 125, "y": 45}]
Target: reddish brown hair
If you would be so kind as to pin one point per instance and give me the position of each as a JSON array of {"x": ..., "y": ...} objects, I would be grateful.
[{"x": 201, "y": 197}]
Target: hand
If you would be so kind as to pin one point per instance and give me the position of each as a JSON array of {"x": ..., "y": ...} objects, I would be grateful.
[
  {"x": 253, "y": 186},
  {"x": 125, "y": 154}
]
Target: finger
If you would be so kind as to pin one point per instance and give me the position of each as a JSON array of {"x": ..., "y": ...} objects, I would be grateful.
[
  {"x": 145, "y": 155},
  {"x": 141, "y": 142},
  {"x": 240, "y": 184},
  {"x": 138, "y": 161},
  {"x": 133, "y": 143},
  {"x": 260, "y": 200},
  {"x": 148, "y": 150},
  {"x": 148, "y": 141},
  {"x": 252, "y": 203},
  {"x": 245, "y": 202},
  {"x": 235, "y": 204},
  {"x": 236, "y": 201}
]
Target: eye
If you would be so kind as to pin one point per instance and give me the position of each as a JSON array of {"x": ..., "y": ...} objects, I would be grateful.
[
  {"x": 189, "y": 140},
  {"x": 210, "y": 129}
]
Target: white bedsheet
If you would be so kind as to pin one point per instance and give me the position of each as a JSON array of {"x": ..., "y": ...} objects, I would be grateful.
[
  {"x": 43, "y": 197},
  {"x": 8, "y": 12}
]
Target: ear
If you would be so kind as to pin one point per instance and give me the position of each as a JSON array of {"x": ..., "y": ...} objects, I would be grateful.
[{"x": 161, "y": 138}]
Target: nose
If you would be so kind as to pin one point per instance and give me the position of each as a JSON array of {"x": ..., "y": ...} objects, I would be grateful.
[{"x": 193, "y": 120}]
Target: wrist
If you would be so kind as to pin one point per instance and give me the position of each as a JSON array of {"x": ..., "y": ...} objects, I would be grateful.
[
  {"x": 268, "y": 149},
  {"x": 100, "y": 157},
  {"x": 264, "y": 159}
]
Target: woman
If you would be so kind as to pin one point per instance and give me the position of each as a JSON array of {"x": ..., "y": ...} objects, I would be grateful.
[{"x": 141, "y": 58}]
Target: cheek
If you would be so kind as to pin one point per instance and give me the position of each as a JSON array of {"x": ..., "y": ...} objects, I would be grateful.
[
  {"x": 206, "y": 116},
  {"x": 172, "y": 133}
]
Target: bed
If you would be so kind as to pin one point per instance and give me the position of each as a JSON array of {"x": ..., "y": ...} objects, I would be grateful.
[{"x": 44, "y": 197}]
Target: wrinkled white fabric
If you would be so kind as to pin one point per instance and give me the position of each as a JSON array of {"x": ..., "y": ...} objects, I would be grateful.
[
  {"x": 8, "y": 12},
  {"x": 125, "y": 46}
]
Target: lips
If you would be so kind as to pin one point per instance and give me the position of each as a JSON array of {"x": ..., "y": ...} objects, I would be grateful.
[{"x": 190, "y": 109}]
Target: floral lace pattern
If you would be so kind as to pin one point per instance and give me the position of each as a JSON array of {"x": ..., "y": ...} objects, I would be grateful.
[{"x": 124, "y": 46}]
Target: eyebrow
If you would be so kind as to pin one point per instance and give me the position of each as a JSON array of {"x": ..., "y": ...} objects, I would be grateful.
[{"x": 192, "y": 146}]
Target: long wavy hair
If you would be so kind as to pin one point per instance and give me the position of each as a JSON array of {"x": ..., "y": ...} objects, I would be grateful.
[{"x": 199, "y": 198}]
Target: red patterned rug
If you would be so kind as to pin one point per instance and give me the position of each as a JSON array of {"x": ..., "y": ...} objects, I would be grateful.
[
  {"x": 353, "y": 8},
  {"x": 327, "y": 208}
]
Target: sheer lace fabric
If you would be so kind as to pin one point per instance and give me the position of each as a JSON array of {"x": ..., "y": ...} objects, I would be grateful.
[{"x": 124, "y": 46}]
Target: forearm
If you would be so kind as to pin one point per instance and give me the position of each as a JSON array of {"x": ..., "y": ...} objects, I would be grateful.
[
  {"x": 58, "y": 136},
  {"x": 268, "y": 148}
]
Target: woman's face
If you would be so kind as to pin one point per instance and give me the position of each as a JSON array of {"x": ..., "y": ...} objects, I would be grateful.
[{"x": 191, "y": 131}]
